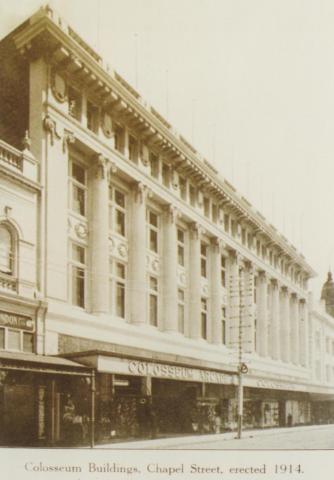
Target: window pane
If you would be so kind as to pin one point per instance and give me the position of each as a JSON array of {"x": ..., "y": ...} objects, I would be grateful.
[
  {"x": 2, "y": 338},
  {"x": 14, "y": 340},
  {"x": 5, "y": 250},
  {"x": 28, "y": 342},
  {"x": 153, "y": 240},
  {"x": 153, "y": 218},
  {"x": 181, "y": 318},
  {"x": 120, "y": 270},
  {"x": 180, "y": 295},
  {"x": 78, "y": 200},
  {"x": 120, "y": 300},
  {"x": 180, "y": 235},
  {"x": 78, "y": 173},
  {"x": 203, "y": 325},
  {"x": 180, "y": 255},
  {"x": 203, "y": 249},
  {"x": 78, "y": 286},
  {"x": 78, "y": 254},
  {"x": 203, "y": 267},
  {"x": 153, "y": 284},
  {"x": 120, "y": 198},
  {"x": 154, "y": 165},
  {"x": 120, "y": 222},
  {"x": 153, "y": 310}
]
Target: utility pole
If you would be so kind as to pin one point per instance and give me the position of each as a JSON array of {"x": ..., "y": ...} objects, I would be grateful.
[{"x": 242, "y": 367}]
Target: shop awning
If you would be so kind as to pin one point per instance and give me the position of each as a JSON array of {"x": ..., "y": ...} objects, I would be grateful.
[{"x": 31, "y": 362}]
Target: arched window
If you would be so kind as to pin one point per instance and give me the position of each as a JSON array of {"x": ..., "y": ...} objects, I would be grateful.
[{"x": 6, "y": 250}]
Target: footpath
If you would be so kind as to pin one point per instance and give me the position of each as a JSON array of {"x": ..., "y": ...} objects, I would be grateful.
[{"x": 170, "y": 442}]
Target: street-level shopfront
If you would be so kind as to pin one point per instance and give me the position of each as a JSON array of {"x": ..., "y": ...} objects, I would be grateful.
[
  {"x": 138, "y": 397},
  {"x": 35, "y": 392}
]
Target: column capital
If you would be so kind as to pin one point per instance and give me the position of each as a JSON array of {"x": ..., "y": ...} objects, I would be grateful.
[
  {"x": 142, "y": 192},
  {"x": 263, "y": 276},
  {"x": 172, "y": 213},
  {"x": 197, "y": 230},
  {"x": 275, "y": 283},
  {"x": 235, "y": 256},
  {"x": 218, "y": 242},
  {"x": 102, "y": 167}
]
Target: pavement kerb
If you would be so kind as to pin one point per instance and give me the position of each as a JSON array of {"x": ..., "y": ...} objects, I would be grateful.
[{"x": 211, "y": 438}]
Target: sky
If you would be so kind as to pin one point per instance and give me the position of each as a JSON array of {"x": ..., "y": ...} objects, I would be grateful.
[{"x": 250, "y": 83}]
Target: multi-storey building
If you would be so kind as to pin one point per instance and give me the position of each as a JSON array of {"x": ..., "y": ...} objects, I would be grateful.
[{"x": 127, "y": 259}]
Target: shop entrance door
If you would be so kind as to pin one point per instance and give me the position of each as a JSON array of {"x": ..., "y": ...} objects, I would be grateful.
[{"x": 19, "y": 418}]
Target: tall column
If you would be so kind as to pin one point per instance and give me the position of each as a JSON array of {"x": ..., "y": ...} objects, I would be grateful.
[
  {"x": 137, "y": 256},
  {"x": 262, "y": 315},
  {"x": 248, "y": 317},
  {"x": 234, "y": 299},
  {"x": 195, "y": 289},
  {"x": 99, "y": 219},
  {"x": 303, "y": 332},
  {"x": 294, "y": 325},
  {"x": 275, "y": 321},
  {"x": 216, "y": 294},
  {"x": 285, "y": 325},
  {"x": 170, "y": 317}
]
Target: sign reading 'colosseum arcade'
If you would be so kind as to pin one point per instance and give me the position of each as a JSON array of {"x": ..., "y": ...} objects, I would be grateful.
[
  {"x": 160, "y": 370},
  {"x": 16, "y": 321}
]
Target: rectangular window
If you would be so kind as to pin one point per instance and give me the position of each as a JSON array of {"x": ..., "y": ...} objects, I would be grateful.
[
  {"x": 181, "y": 310},
  {"x": 133, "y": 148},
  {"x": 2, "y": 338},
  {"x": 78, "y": 275},
  {"x": 192, "y": 195},
  {"x": 214, "y": 213},
  {"x": 119, "y": 138},
  {"x": 204, "y": 315},
  {"x": 92, "y": 117},
  {"x": 226, "y": 223},
  {"x": 153, "y": 230},
  {"x": 204, "y": 260},
  {"x": 224, "y": 326},
  {"x": 153, "y": 301},
  {"x": 28, "y": 342},
  {"x": 250, "y": 240},
  {"x": 183, "y": 188},
  {"x": 233, "y": 228},
  {"x": 223, "y": 271},
  {"x": 74, "y": 103},
  {"x": 154, "y": 165},
  {"x": 180, "y": 247},
  {"x": 206, "y": 203},
  {"x": 117, "y": 282},
  {"x": 243, "y": 236},
  {"x": 14, "y": 339},
  {"x": 78, "y": 187},
  {"x": 117, "y": 211},
  {"x": 166, "y": 175}
]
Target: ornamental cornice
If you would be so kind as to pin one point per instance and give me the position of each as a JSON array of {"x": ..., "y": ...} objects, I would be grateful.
[{"x": 113, "y": 89}]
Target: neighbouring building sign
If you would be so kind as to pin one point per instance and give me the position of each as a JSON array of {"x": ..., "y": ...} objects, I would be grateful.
[
  {"x": 161, "y": 370},
  {"x": 16, "y": 321}
]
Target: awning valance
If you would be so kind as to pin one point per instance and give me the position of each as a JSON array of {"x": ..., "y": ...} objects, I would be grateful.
[{"x": 30, "y": 362}]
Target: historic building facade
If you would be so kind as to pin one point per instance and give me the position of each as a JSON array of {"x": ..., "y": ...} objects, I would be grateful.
[{"x": 130, "y": 259}]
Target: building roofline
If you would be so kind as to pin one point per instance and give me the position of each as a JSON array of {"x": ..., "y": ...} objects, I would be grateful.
[{"x": 46, "y": 20}]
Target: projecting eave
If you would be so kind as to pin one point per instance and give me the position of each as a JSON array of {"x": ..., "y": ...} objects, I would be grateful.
[{"x": 45, "y": 33}]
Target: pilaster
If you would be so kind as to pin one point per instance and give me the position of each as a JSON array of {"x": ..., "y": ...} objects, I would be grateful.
[
  {"x": 195, "y": 280},
  {"x": 170, "y": 318}
]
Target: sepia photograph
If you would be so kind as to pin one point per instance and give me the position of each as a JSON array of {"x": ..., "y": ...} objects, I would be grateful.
[{"x": 167, "y": 228}]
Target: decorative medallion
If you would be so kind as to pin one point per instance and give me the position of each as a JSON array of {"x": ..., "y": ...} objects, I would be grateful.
[
  {"x": 205, "y": 289},
  {"x": 81, "y": 230},
  {"x": 183, "y": 278},
  {"x": 58, "y": 87},
  {"x": 122, "y": 250},
  {"x": 106, "y": 124}
]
